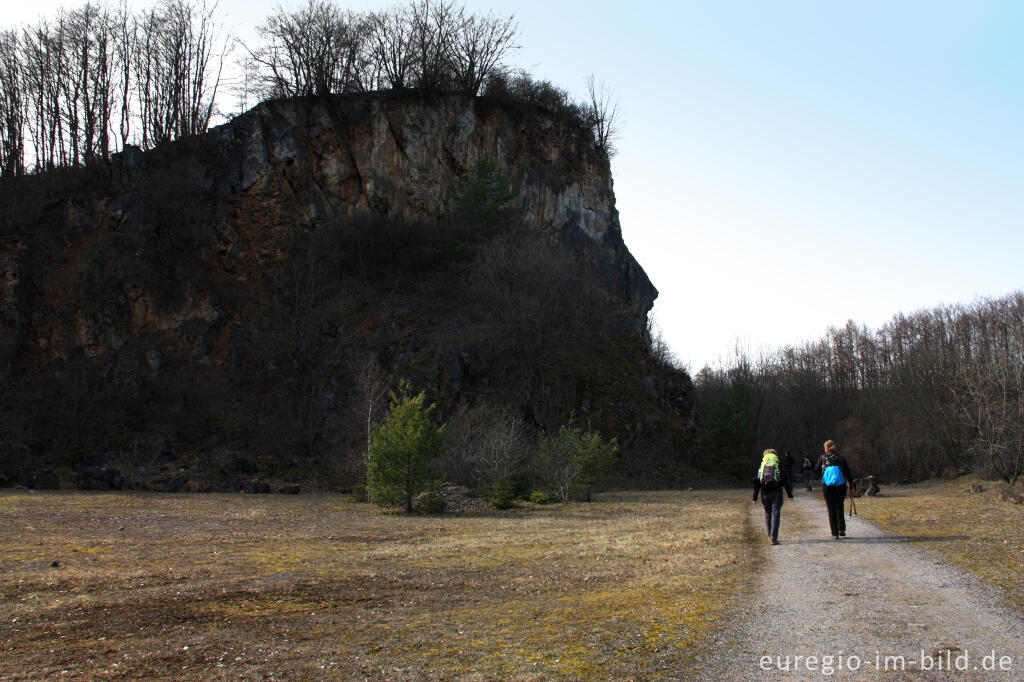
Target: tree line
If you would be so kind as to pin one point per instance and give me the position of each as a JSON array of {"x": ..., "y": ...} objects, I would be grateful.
[
  {"x": 90, "y": 81},
  {"x": 77, "y": 87},
  {"x": 929, "y": 393}
]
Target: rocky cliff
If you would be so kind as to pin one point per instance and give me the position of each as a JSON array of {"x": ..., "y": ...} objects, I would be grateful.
[
  {"x": 143, "y": 306},
  {"x": 404, "y": 158}
]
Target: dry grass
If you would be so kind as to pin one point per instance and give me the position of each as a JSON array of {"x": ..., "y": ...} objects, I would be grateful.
[
  {"x": 976, "y": 531},
  {"x": 258, "y": 587}
]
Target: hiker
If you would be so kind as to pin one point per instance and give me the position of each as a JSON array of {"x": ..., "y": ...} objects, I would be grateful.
[
  {"x": 770, "y": 481},
  {"x": 787, "y": 464},
  {"x": 808, "y": 470},
  {"x": 834, "y": 472}
]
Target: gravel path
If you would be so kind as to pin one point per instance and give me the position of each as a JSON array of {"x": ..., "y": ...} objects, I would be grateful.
[{"x": 872, "y": 602}]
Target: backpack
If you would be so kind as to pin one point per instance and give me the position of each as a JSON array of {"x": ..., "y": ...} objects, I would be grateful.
[
  {"x": 832, "y": 473},
  {"x": 769, "y": 476}
]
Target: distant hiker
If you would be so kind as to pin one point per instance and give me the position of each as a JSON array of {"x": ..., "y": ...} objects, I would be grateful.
[
  {"x": 808, "y": 471},
  {"x": 770, "y": 481},
  {"x": 834, "y": 472},
  {"x": 787, "y": 464}
]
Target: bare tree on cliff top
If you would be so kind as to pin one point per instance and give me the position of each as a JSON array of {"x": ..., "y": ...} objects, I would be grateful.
[
  {"x": 479, "y": 48},
  {"x": 604, "y": 115},
  {"x": 176, "y": 82},
  {"x": 12, "y": 107},
  {"x": 433, "y": 29},
  {"x": 315, "y": 50},
  {"x": 389, "y": 35}
]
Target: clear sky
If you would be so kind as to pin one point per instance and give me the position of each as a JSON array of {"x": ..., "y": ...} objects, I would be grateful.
[{"x": 786, "y": 166}]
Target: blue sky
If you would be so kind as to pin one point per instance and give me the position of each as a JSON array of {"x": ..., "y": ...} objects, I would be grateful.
[{"x": 787, "y": 166}]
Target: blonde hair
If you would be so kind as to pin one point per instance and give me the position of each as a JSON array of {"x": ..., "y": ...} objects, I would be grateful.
[
  {"x": 769, "y": 451},
  {"x": 830, "y": 446}
]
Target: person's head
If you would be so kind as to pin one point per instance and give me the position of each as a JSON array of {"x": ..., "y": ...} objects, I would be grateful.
[
  {"x": 769, "y": 456},
  {"x": 830, "y": 446}
]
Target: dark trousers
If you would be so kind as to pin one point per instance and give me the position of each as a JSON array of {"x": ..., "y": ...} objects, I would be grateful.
[
  {"x": 835, "y": 495},
  {"x": 772, "y": 501}
]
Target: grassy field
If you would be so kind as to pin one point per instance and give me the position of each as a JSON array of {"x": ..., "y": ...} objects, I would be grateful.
[
  {"x": 975, "y": 531},
  {"x": 632, "y": 585}
]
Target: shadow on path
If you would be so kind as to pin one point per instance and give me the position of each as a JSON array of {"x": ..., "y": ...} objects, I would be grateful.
[{"x": 893, "y": 539}]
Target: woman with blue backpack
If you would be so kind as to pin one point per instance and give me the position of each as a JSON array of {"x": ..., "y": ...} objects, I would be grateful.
[
  {"x": 834, "y": 472},
  {"x": 770, "y": 481}
]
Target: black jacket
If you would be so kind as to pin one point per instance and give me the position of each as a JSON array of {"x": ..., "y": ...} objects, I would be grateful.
[
  {"x": 786, "y": 462},
  {"x": 843, "y": 465}
]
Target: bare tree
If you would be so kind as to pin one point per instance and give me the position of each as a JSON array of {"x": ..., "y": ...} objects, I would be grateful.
[
  {"x": 316, "y": 50},
  {"x": 991, "y": 387},
  {"x": 993, "y": 402},
  {"x": 433, "y": 29},
  {"x": 603, "y": 112},
  {"x": 478, "y": 49},
  {"x": 88, "y": 97},
  {"x": 44, "y": 65},
  {"x": 124, "y": 29},
  {"x": 12, "y": 106},
  {"x": 486, "y": 444},
  {"x": 372, "y": 385},
  {"x": 389, "y": 37},
  {"x": 177, "y": 80}
]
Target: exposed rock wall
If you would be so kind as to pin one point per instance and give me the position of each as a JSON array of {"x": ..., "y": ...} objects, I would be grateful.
[
  {"x": 137, "y": 303},
  {"x": 404, "y": 157}
]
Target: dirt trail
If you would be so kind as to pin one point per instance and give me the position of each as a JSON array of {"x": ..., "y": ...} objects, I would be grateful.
[{"x": 871, "y": 601}]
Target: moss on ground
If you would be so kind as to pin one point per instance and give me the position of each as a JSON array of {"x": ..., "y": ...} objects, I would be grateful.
[
  {"x": 975, "y": 531},
  {"x": 231, "y": 586}
]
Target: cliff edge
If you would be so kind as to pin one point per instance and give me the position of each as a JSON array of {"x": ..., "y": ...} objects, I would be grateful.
[{"x": 211, "y": 309}]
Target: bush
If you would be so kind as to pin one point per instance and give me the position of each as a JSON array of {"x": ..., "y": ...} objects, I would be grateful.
[
  {"x": 594, "y": 459},
  {"x": 573, "y": 462},
  {"x": 501, "y": 501},
  {"x": 540, "y": 497},
  {"x": 431, "y": 503},
  {"x": 485, "y": 445},
  {"x": 521, "y": 88},
  {"x": 358, "y": 493}
]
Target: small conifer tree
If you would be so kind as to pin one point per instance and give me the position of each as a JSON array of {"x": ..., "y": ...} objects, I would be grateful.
[
  {"x": 482, "y": 197},
  {"x": 399, "y": 459}
]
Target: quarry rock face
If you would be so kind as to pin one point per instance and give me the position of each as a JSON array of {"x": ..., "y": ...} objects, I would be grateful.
[
  {"x": 404, "y": 157},
  {"x": 284, "y": 166},
  {"x": 157, "y": 299}
]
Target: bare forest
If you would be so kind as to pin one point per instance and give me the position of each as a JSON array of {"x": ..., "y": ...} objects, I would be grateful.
[
  {"x": 89, "y": 82},
  {"x": 932, "y": 393}
]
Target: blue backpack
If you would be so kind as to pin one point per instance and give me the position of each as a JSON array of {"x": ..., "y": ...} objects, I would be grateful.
[{"x": 833, "y": 473}]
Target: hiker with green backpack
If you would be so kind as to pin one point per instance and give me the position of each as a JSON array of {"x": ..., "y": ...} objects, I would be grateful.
[
  {"x": 770, "y": 482},
  {"x": 834, "y": 471}
]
